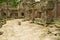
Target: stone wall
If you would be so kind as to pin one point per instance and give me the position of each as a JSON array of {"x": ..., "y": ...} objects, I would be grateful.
[
  {"x": 58, "y": 9},
  {"x": 25, "y": 11}
]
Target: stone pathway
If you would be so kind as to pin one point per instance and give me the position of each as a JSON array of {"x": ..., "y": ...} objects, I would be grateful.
[{"x": 26, "y": 31}]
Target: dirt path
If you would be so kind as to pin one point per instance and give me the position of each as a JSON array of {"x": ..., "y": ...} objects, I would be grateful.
[{"x": 25, "y": 31}]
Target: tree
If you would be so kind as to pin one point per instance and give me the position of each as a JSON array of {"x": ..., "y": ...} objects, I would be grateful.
[
  {"x": 11, "y": 2},
  {"x": 1, "y": 1}
]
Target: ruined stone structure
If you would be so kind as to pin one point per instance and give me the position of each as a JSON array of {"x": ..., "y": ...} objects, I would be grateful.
[
  {"x": 58, "y": 8},
  {"x": 8, "y": 10},
  {"x": 28, "y": 9}
]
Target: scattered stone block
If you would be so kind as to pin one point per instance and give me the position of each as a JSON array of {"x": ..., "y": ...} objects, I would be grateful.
[
  {"x": 19, "y": 23},
  {"x": 1, "y": 33}
]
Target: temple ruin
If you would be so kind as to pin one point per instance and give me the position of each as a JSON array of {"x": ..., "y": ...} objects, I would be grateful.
[{"x": 30, "y": 9}]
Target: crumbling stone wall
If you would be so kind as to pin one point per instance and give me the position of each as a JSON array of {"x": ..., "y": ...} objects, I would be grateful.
[{"x": 26, "y": 9}]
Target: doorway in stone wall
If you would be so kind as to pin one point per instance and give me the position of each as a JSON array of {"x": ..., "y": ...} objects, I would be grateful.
[{"x": 22, "y": 14}]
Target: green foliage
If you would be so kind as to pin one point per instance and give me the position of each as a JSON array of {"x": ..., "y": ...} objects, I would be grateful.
[
  {"x": 1, "y": 1},
  {"x": 11, "y": 2}
]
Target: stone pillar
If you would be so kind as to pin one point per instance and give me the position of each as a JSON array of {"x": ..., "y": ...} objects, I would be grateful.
[
  {"x": 19, "y": 13},
  {"x": 27, "y": 14},
  {"x": 44, "y": 17},
  {"x": 33, "y": 14},
  {"x": 8, "y": 14},
  {"x": 36, "y": 14}
]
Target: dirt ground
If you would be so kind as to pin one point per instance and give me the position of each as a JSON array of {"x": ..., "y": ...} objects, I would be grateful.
[{"x": 26, "y": 31}]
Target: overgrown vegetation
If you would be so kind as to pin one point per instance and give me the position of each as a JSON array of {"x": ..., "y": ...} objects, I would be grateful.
[
  {"x": 1, "y": 1},
  {"x": 11, "y": 2}
]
